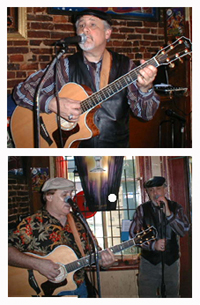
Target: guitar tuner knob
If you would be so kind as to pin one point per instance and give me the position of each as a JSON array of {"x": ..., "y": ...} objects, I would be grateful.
[{"x": 171, "y": 65}]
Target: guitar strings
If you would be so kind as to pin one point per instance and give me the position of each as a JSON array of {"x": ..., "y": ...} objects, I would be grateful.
[
  {"x": 114, "y": 87},
  {"x": 125, "y": 80}
]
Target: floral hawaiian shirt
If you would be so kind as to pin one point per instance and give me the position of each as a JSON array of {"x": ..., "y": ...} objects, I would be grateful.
[{"x": 41, "y": 233}]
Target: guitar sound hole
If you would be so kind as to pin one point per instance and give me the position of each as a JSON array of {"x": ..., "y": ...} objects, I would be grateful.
[{"x": 65, "y": 125}]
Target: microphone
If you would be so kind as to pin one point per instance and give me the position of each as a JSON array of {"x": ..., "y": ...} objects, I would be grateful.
[
  {"x": 162, "y": 204},
  {"x": 171, "y": 113},
  {"x": 74, "y": 206},
  {"x": 70, "y": 40},
  {"x": 69, "y": 200}
]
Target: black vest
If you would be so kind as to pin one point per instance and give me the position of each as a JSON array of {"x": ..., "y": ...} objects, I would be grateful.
[
  {"x": 112, "y": 119},
  {"x": 151, "y": 217}
]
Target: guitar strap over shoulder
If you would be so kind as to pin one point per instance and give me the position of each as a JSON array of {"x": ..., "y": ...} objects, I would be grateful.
[
  {"x": 105, "y": 69},
  {"x": 75, "y": 233}
]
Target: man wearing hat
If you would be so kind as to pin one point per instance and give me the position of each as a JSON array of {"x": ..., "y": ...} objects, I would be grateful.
[
  {"x": 159, "y": 263},
  {"x": 49, "y": 228},
  {"x": 95, "y": 66}
]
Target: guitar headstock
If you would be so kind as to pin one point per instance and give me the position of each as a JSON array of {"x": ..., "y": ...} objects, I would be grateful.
[
  {"x": 145, "y": 236},
  {"x": 179, "y": 48}
]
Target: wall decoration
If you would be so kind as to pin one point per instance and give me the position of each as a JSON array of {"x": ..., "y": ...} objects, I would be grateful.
[
  {"x": 175, "y": 21},
  {"x": 16, "y": 23},
  {"x": 143, "y": 13},
  {"x": 100, "y": 179},
  {"x": 38, "y": 176},
  {"x": 15, "y": 166}
]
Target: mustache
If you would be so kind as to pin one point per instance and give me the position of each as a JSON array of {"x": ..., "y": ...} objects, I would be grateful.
[{"x": 89, "y": 36}]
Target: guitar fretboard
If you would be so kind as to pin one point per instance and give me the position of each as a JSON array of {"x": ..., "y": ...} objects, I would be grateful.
[
  {"x": 90, "y": 259},
  {"x": 139, "y": 239},
  {"x": 115, "y": 87}
]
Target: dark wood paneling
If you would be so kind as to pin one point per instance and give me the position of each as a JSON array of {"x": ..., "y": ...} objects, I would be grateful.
[{"x": 179, "y": 189}]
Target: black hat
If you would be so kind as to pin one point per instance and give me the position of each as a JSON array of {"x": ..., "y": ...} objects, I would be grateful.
[
  {"x": 155, "y": 181},
  {"x": 100, "y": 14}
]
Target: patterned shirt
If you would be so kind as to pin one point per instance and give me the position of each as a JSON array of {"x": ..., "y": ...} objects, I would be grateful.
[
  {"x": 143, "y": 105},
  {"x": 177, "y": 221},
  {"x": 41, "y": 233}
]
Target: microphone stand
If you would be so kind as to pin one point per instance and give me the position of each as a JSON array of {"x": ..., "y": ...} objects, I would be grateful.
[
  {"x": 163, "y": 293},
  {"x": 78, "y": 213},
  {"x": 37, "y": 106}
]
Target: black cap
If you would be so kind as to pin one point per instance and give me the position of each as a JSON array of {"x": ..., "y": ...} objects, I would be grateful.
[
  {"x": 155, "y": 181},
  {"x": 100, "y": 14}
]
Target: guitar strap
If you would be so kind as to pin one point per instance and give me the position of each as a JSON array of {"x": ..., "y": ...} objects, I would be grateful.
[
  {"x": 75, "y": 233},
  {"x": 105, "y": 69}
]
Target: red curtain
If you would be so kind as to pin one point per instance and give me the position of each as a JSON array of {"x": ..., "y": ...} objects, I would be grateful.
[{"x": 61, "y": 167}]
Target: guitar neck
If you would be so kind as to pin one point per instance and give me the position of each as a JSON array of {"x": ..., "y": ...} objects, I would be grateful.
[
  {"x": 91, "y": 259},
  {"x": 115, "y": 87}
]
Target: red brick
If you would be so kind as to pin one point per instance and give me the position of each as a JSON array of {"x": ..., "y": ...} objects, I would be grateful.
[
  {"x": 17, "y": 50},
  {"x": 29, "y": 66},
  {"x": 60, "y": 19},
  {"x": 16, "y": 58},
  {"x": 10, "y": 74},
  {"x": 39, "y": 34}
]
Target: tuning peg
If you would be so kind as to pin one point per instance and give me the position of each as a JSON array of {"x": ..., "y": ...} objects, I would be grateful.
[
  {"x": 162, "y": 51},
  {"x": 172, "y": 65}
]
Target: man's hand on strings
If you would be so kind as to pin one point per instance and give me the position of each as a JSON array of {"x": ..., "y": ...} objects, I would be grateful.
[
  {"x": 69, "y": 109},
  {"x": 146, "y": 77}
]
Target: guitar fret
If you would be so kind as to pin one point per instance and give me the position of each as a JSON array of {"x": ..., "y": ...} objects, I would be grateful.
[
  {"x": 90, "y": 259},
  {"x": 115, "y": 87},
  {"x": 103, "y": 93}
]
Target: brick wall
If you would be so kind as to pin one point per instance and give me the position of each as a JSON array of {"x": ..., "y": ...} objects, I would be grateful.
[
  {"x": 137, "y": 39},
  {"x": 18, "y": 200}
]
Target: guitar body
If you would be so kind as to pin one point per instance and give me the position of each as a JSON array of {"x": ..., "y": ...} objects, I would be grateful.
[
  {"x": 18, "y": 285},
  {"x": 18, "y": 278},
  {"x": 22, "y": 126}
]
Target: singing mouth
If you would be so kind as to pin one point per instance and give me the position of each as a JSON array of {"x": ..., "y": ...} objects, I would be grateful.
[{"x": 89, "y": 37}]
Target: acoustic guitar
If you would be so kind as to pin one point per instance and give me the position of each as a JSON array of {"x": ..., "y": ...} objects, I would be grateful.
[
  {"x": 22, "y": 121},
  {"x": 23, "y": 282}
]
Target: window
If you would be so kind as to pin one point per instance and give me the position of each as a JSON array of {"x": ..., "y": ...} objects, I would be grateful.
[{"x": 107, "y": 225}]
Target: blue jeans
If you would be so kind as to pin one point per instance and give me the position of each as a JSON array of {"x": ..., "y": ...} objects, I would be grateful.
[{"x": 81, "y": 291}]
